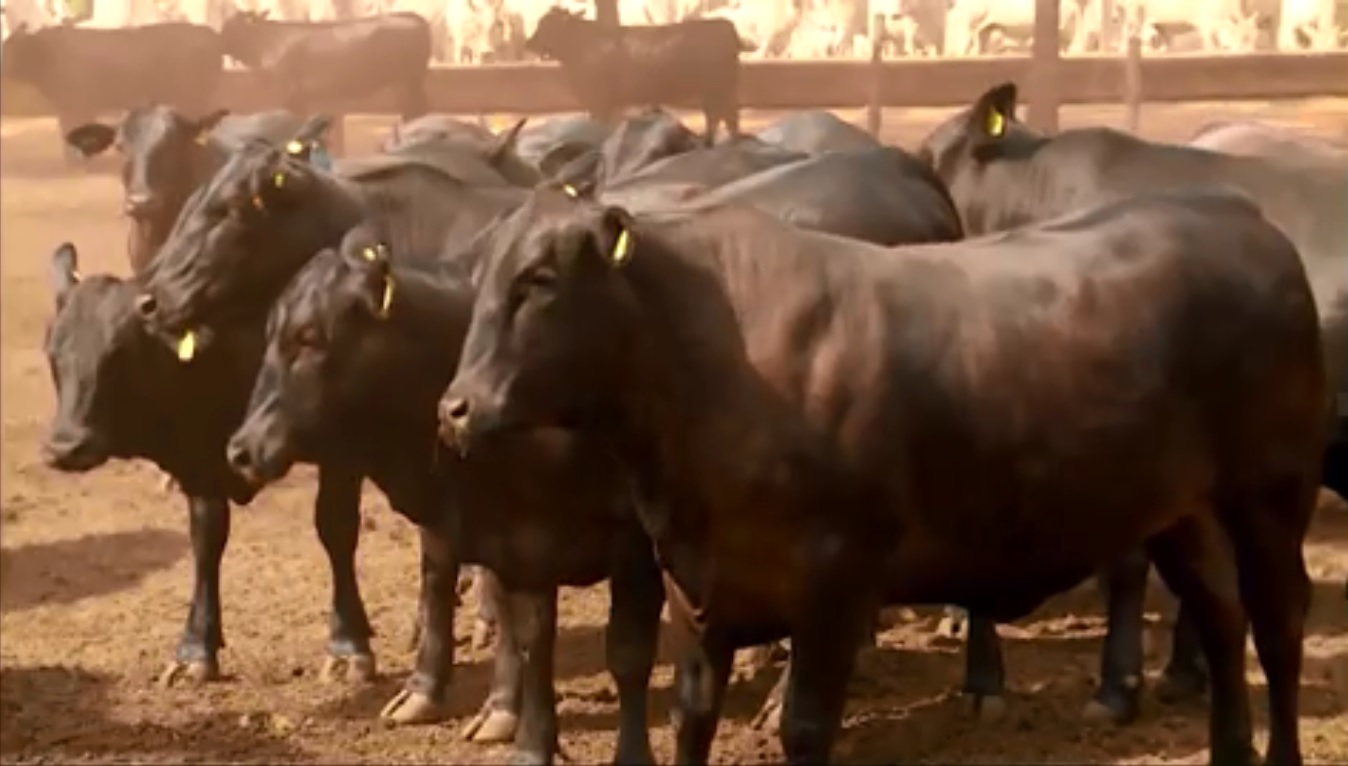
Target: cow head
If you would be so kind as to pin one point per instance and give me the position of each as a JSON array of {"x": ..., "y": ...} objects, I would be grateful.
[
  {"x": 240, "y": 39},
  {"x": 160, "y": 150},
  {"x": 558, "y": 33},
  {"x": 238, "y": 239},
  {"x": 962, "y": 149},
  {"x": 553, "y": 316},
  {"x": 93, "y": 345},
  {"x": 331, "y": 347}
]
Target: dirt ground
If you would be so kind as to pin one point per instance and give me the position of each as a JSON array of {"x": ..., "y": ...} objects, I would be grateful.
[{"x": 95, "y": 574}]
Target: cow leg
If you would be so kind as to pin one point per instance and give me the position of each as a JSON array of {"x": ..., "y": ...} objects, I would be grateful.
[
  {"x": 204, "y": 636},
  {"x": 1275, "y": 590},
  {"x": 1185, "y": 675},
  {"x": 700, "y": 679},
  {"x": 636, "y": 595},
  {"x": 422, "y": 698},
  {"x": 1125, "y": 588},
  {"x": 822, "y": 658},
  {"x": 1193, "y": 559},
  {"x": 769, "y": 716},
  {"x": 337, "y": 519},
  {"x": 984, "y": 668},
  {"x": 488, "y": 594},
  {"x": 533, "y": 619},
  {"x": 499, "y": 718}
]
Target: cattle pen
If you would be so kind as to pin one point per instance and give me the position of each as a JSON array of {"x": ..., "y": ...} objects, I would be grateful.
[{"x": 95, "y": 569}]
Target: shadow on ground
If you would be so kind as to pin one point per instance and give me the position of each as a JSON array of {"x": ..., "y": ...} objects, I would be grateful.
[
  {"x": 66, "y": 571},
  {"x": 62, "y": 714}
]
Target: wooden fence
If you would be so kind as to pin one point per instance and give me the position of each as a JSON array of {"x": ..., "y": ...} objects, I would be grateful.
[{"x": 539, "y": 88}]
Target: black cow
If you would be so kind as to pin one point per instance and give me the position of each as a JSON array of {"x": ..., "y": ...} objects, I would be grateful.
[
  {"x": 313, "y": 63},
  {"x": 359, "y": 350},
  {"x": 430, "y": 128},
  {"x": 692, "y": 63},
  {"x": 817, "y": 131},
  {"x": 246, "y": 233},
  {"x": 82, "y": 71},
  {"x": 551, "y": 144},
  {"x": 121, "y": 394},
  {"x": 635, "y": 143},
  {"x": 1002, "y": 174},
  {"x": 803, "y": 428},
  {"x": 166, "y": 155}
]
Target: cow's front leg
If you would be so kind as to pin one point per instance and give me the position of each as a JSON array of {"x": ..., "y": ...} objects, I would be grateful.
[
  {"x": 499, "y": 718},
  {"x": 532, "y": 617},
  {"x": 204, "y": 636},
  {"x": 337, "y": 518},
  {"x": 423, "y": 698}
]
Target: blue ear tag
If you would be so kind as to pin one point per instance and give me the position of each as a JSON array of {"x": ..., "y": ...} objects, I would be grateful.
[{"x": 319, "y": 157}]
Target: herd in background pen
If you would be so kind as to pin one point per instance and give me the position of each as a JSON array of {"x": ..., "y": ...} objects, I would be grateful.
[{"x": 773, "y": 382}]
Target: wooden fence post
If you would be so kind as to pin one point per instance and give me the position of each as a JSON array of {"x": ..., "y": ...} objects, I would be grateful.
[
  {"x": 874, "y": 105},
  {"x": 1044, "y": 100}
]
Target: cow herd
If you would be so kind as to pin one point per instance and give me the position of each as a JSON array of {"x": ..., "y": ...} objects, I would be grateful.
[{"x": 773, "y": 384}]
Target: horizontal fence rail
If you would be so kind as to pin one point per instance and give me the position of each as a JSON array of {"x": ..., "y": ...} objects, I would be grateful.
[{"x": 538, "y": 88}]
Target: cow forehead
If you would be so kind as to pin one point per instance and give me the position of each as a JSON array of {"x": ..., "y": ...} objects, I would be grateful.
[{"x": 88, "y": 319}]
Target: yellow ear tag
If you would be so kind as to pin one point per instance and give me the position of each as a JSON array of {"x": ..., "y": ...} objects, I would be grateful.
[
  {"x": 370, "y": 254},
  {"x": 996, "y": 123},
  {"x": 570, "y": 191},
  {"x": 387, "y": 300},
  {"x": 187, "y": 346},
  {"x": 257, "y": 202},
  {"x": 295, "y": 147},
  {"x": 202, "y": 138},
  {"x": 622, "y": 249},
  {"x": 75, "y": 275},
  {"x": 279, "y": 179}
]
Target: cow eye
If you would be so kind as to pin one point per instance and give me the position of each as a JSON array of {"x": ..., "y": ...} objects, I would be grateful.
[
  {"x": 541, "y": 278},
  {"x": 308, "y": 336}
]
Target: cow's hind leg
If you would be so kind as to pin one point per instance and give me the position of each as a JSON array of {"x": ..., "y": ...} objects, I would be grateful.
[
  {"x": 1195, "y": 560},
  {"x": 337, "y": 518},
  {"x": 204, "y": 636},
  {"x": 499, "y": 718},
  {"x": 1125, "y": 588},
  {"x": 984, "y": 668},
  {"x": 532, "y": 617},
  {"x": 823, "y": 654},
  {"x": 700, "y": 678},
  {"x": 487, "y": 594},
  {"x": 1275, "y": 589},
  {"x": 630, "y": 643},
  {"x": 1186, "y": 675}
]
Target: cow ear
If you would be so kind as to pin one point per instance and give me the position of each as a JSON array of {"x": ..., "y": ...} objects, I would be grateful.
[
  {"x": 371, "y": 258},
  {"x": 505, "y": 143},
  {"x": 993, "y": 111},
  {"x": 64, "y": 271},
  {"x": 206, "y": 124},
  {"x": 612, "y": 235},
  {"x": 91, "y": 138},
  {"x": 312, "y": 130}
]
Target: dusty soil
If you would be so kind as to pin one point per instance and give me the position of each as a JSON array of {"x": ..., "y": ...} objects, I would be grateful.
[{"x": 95, "y": 572}]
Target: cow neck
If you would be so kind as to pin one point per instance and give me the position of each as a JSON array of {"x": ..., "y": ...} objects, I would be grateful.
[
  {"x": 696, "y": 415},
  {"x": 429, "y": 311}
]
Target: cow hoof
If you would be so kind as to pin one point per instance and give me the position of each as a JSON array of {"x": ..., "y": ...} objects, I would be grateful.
[
  {"x": 483, "y": 633},
  {"x": 533, "y": 758},
  {"x": 1173, "y": 688},
  {"x": 194, "y": 673},
  {"x": 1096, "y": 712},
  {"x": 356, "y": 669},
  {"x": 769, "y": 718},
  {"x": 408, "y": 707},
  {"x": 989, "y": 708},
  {"x": 490, "y": 726}
]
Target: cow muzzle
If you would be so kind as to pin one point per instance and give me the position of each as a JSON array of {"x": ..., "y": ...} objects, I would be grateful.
[
  {"x": 74, "y": 449},
  {"x": 257, "y": 461},
  {"x": 456, "y": 420}
]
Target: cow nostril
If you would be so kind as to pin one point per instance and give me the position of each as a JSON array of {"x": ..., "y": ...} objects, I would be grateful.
[
  {"x": 455, "y": 410},
  {"x": 146, "y": 304},
  {"x": 238, "y": 458}
]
